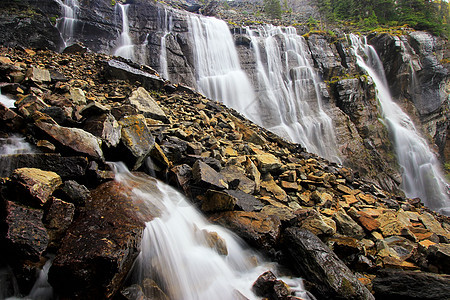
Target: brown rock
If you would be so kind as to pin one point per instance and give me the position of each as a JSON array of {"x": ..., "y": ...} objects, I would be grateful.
[
  {"x": 137, "y": 139},
  {"x": 58, "y": 219},
  {"x": 257, "y": 229},
  {"x": 100, "y": 247},
  {"x": 268, "y": 163},
  {"x": 215, "y": 201},
  {"x": 269, "y": 187},
  {"x": 25, "y": 236},
  {"x": 206, "y": 176},
  {"x": 75, "y": 139},
  {"x": 34, "y": 185},
  {"x": 146, "y": 105}
]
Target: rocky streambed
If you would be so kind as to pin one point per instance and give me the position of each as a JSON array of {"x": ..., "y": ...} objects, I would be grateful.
[{"x": 347, "y": 238}]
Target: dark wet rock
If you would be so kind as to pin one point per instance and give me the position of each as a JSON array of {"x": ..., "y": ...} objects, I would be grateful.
[
  {"x": 67, "y": 167},
  {"x": 75, "y": 139},
  {"x": 33, "y": 186},
  {"x": 58, "y": 218},
  {"x": 133, "y": 292},
  {"x": 318, "y": 264},
  {"x": 258, "y": 229},
  {"x": 77, "y": 48},
  {"x": 104, "y": 126},
  {"x": 402, "y": 285},
  {"x": 25, "y": 236},
  {"x": 73, "y": 192},
  {"x": 121, "y": 70},
  {"x": 237, "y": 180},
  {"x": 245, "y": 201},
  {"x": 267, "y": 285},
  {"x": 205, "y": 176},
  {"x": 101, "y": 245},
  {"x": 152, "y": 290}
]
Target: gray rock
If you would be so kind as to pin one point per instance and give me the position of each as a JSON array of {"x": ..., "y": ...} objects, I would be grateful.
[
  {"x": 146, "y": 105},
  {"x": 319, "y": 265}
]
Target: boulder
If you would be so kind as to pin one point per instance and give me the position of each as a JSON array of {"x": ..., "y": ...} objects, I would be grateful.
[
  {"x": 206, "y": 177},
  {"x": 75, "y": 139},
  {"x": 100, "y": 247},
  {"x": 33, "y": 186},
  {"x": 268, "y": 163},
  {"x": 235, "y": 176},
  {"x": 136, "y": 139},
  {"x": 104, "y": 126},
  {"x": 403, "y": 285},
  {"x": 346, "y": 225},
  {"x": 58, "y": 219},
  {"x": 38, "y": 75},
  {"x": 146, "y": 105},
  {"x": 332, "y": 279},
  {"x": 116, "y": 69},
  {"x": 73, "y": 192},
  {"x": 25, "y": 236},
  {"x": 258, "y": 229},
  {"x": 215, "y": 201},
  {"x": 67, "y": 167},
  {"x": 267, "y": 285},
  {"x": 245, "y": 201}
]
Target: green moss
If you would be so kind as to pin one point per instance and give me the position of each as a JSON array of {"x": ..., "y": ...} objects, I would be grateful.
[{"x": 113, "y": 2}]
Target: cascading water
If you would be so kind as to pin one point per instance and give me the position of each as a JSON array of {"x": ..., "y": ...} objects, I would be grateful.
[
  {"x": 218, "y": 71},
  {"x": 177, "y": 253},
  {"x": 166, "y": 24},
  {"x": 284, "y": 85},
  {"x": 6, "y": 101},
  {"x": 420, "y": 169},
  {"x": 66, "y": 24},
  {"x": 125, "y": 46},
  {"x": 288, "y": 101}
]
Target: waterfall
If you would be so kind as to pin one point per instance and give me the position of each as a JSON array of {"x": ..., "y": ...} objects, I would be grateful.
[
  {"x": 6, "y": 101},
  {"x": 285, "y": 82},
  {"x": 166, "y": 24},
  {"x": 177, "y": 252},
  {"x": 421, "y": 173},
  {"x": 125, "y": 46},
  {"x": 288, "y": 101},
  {"x": 218, "y": 72},
  {"x": 66, "y": 24}
]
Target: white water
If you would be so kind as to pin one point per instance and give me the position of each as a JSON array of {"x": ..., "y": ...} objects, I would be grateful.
[
  {"x": 420, "y": 169},
  {"x": 166, "y": 23},
  {"x": 175, "y": 251},
  {"x": 289, "y": 102},
  {"x": 6, "y": 101},
  {"x": 284, "y": 85},
  {"x": 14, "y": 145},
  {"x": 125, "y": 47},
  {"x": 66, "y": 24},
  {"x": 219, "y": 74}
]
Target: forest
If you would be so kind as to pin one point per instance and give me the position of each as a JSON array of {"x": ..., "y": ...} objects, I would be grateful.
[{"x": 429, "y": 15}]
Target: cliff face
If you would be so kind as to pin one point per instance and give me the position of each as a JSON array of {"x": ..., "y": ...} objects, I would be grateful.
[{"x": 413, "y": 65}]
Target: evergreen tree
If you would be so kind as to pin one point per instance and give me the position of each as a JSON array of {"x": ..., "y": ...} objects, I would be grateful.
[{"x": 273, "y": 8}]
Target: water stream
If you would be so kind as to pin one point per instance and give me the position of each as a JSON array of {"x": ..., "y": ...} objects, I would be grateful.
[
  {"x": 66, "y": 24},
  {"x": 125, "y": 46},
  {"x": 421, "y": 173},
  {"x": 166, "y": 24},
  {"x": 177, "y": 250}
]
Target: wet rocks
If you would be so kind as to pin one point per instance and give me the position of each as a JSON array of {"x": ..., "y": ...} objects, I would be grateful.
[
  {"x": 25, "y": 236},
  {"x": 397, "y": 284},
  {"x": 100, "y": 246},
  {"x": 320, "y": 265}
]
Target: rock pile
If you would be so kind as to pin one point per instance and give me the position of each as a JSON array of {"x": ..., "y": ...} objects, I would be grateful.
[{"x": 348, "y": 238}]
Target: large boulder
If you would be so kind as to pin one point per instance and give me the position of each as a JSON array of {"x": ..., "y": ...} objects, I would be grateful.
[
  {"x": 402, "y": 285},
  {"x": 258, "y": 229},
  {"x": 332, "y": 279},
  {"x": 100, "y": 247},
  {"x": 25, "y": 236}
]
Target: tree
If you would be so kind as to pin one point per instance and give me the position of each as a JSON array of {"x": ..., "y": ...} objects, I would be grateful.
[{"x": 273, "y": 8}]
